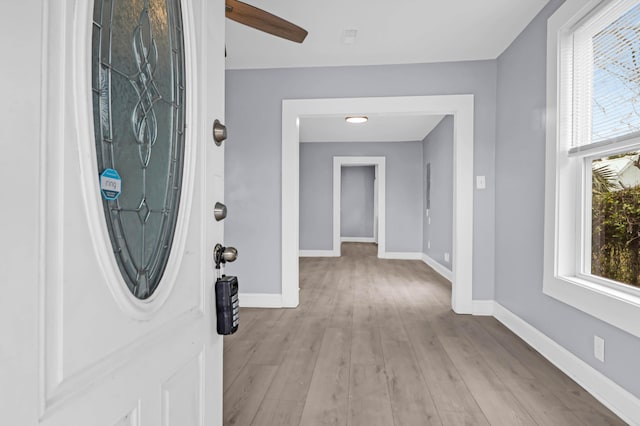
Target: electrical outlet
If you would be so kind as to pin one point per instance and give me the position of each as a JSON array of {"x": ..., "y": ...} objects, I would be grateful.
[
  {"x": 598, "y": 348},
  {"x": 429, "y": 221},
  {"x": 446, "y": 257},
  {"x": 428, "y": 244}
]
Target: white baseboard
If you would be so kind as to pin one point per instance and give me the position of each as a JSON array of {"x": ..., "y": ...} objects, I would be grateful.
[
  {"x": 317, "y": 253},
  {"x": 442, "y": 270},
  {"x": 397, "y": 255},
  {"x": 357, "y": 239},
  {"x": 258, "y": 300},
  {"x": 610, "y": 394},
  {"x": 485, "y": 308}
]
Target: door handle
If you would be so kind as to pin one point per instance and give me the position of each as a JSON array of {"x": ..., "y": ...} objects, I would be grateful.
[{"x": 222, "y": 255}]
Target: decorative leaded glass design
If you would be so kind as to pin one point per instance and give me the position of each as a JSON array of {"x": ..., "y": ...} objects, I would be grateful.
[{"x": 139, "y": 109}]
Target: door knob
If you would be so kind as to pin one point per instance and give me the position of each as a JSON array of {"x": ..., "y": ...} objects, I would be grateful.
[
  {"x": 219, "y": 132},
  {"x": 229, "y": 254},
  {"x": 222, "y": 255}
]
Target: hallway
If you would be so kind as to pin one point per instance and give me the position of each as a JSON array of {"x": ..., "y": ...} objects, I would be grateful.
[{"x": 374, "y": 342}]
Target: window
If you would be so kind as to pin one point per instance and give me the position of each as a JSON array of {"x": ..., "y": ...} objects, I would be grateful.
[
  {"x": 592, "y": 212},
  {"x": 138, "y": 66}
]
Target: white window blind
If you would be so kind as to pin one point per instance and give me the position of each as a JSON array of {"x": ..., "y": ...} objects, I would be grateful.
[{"x": 607, "y": 76}]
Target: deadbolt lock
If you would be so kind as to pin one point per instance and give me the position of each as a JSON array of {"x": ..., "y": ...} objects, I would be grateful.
[
  {"x": 219, "y": 211},
  {"x": 219, "y": 132}
]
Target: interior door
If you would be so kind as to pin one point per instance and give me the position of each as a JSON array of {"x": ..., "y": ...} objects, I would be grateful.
[{"x": 79, "y": 346}]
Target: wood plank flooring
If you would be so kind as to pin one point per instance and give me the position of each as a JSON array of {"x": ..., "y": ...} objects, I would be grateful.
[{"x": 374, "y": 342}]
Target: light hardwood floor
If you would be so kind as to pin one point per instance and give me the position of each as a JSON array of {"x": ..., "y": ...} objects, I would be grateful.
[{"x": 374, "y": 342}]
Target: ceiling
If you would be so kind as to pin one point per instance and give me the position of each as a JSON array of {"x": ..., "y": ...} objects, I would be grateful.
[
  {"x": 388, "y": 32},
  {"x": 379, "y": 128}
]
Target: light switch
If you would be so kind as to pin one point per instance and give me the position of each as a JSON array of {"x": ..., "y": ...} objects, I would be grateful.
[
  {"x": 598, "y": 348},
  {"x": 480, "y": 182}
]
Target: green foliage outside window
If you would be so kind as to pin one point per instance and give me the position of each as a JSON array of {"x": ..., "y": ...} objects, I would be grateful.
[{"x": 615, "y": 242}]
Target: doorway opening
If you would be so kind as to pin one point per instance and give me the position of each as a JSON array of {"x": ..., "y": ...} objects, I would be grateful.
[
  {"x": 379, "y": 199},
  {"x": 358, "y": 208},
  {"x": 459, "y": 106}
]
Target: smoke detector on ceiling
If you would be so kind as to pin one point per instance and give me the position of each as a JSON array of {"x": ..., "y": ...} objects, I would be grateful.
[{"x": 349, "y": 36}]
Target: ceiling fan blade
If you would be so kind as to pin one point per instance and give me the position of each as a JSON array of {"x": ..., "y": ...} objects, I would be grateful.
[{"x": 264, "y": 21}]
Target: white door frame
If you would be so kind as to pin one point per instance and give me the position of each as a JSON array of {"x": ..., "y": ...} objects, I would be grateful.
[
  {"x": 460, "y": 106},
  {"x": 375, "y": 205},
  {"x": 379, "y": 209}
]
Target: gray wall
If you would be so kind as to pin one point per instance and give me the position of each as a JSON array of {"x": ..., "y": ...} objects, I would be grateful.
[
  {"x": 404, "y": 192},
  {"x": 356, "y": 201},
  {"x": 438, "y": 152},
  {"x": 520, "y": 150},
  {"x": 253, "y": 152}
]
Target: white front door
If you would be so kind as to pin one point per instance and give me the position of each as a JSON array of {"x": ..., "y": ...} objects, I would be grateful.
[{"x": 76, "y": 346}]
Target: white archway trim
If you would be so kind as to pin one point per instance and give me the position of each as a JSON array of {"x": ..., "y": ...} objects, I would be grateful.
[
  {"x": 381, "y": 182},
  {"x": 460, "y": 106}
]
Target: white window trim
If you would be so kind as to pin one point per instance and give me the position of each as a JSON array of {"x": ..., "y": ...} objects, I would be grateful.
[{"x": 562, "y": 279}]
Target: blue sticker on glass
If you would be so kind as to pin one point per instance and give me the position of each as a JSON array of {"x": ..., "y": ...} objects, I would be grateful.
[{"x": 110, "y": 184}]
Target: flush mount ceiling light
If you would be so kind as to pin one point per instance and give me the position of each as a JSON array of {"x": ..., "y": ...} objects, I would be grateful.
[{"x": 357, "y": 119}]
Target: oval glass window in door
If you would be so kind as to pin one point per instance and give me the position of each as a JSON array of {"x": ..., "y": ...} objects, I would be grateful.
[{"x": 138, "y": 82}]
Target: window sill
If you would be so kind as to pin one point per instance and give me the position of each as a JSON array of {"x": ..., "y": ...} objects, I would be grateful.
[{"x": 615, "y": 307}]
